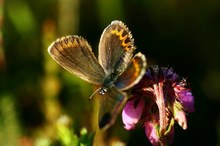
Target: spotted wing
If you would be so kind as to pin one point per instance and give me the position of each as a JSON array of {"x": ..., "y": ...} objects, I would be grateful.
[
  {"x": 75, "y": 55},
  {"x": 116, "y": 48},
  {"x": 133, "y": 74},
  {"x": 110, "y": 105}
]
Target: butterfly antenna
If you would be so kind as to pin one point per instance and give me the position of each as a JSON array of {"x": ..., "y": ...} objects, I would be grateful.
[{"x": 94, "y": 93}]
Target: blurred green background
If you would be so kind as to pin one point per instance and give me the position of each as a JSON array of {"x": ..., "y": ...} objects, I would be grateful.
[{"x": 35, "y": 91}]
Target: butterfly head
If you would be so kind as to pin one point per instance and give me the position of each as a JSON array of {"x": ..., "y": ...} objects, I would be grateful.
[{"x": 102, "y": 91}]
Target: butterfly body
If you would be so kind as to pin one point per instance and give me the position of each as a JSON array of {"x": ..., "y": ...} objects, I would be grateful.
[{"x": 115, "y": 70}]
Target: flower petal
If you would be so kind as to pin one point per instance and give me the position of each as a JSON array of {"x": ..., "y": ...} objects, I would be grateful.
[
  {"x": 132, "y": 112},
  {"x": 186, "y": 97},
  {"x": 169, "y": 136},
  {"x": 151, "y": 133},
  {"x": 153, "y": 137},
  {"x": 180, "y": 117},
  {"x": 187, "y": 100}
]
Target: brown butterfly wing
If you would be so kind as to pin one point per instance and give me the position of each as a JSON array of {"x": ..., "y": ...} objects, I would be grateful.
[
  {"x": 116, "y": 48},
  {"x": 133, "y": 73},
  {"x": 75, "y": 55},
  {"x": 111, "y": 104}
]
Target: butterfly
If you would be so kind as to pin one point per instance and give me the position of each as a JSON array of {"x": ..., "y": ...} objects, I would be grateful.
[{"x": 115, "y": 71}]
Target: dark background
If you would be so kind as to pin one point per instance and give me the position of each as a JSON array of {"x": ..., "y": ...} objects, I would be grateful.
[{"x": 35, "y": 91}]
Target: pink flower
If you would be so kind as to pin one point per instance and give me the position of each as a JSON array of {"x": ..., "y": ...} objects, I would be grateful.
[
  {"x": 132, "y": 112},
  {"x": 157, "y": 101}
]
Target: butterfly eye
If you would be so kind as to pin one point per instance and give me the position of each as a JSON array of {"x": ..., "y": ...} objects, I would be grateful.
[{"x": 102, "y": 91}]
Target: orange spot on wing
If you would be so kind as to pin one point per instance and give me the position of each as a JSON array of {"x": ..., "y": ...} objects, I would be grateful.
[
  {"x": 122, "y": 38},
  {"x": 137, "y": 67}
]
